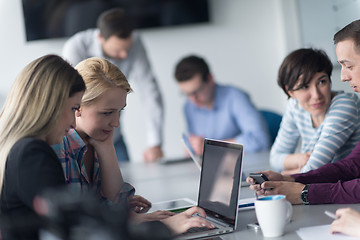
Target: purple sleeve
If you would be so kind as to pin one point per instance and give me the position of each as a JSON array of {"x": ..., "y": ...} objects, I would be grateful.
[
  {"x": 340, "y": 192},
  {"x": 334, "y": 182}
]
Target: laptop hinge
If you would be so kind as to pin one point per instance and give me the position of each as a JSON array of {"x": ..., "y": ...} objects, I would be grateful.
[{"x": 223, "y": 224}]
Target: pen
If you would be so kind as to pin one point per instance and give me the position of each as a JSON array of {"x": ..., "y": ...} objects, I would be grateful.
[{"x": 330, "y": 214}]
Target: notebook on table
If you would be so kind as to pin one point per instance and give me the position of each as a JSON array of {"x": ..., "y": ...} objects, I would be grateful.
[
  {"x": 174, "y": 205},
  {"x": 219, "y": 187}
]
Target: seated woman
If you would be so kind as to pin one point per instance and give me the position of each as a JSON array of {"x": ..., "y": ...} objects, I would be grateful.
[
  {"x": 87, "y": 152},
  {"x": 327, "y": 123},
  {"x": 39, "y": 110}
]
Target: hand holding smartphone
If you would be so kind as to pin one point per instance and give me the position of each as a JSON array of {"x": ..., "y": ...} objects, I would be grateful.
[{"x": 258, "y": 177}]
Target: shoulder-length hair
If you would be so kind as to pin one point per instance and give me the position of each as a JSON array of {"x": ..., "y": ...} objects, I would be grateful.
[
  {"x": 301, "y": 65},
  {"x": 36, "y": 101}
]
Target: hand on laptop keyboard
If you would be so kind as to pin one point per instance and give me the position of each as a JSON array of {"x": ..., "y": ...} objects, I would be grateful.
[
  {"x": 182, "y": 222},
  {"x": 154, "y": 216}
]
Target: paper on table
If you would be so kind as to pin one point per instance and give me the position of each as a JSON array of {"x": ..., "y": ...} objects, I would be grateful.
[{"x": 321, "y": 233}]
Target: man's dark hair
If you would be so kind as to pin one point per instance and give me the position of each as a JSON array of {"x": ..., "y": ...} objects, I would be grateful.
[
  {"x": 304, "y": 63},
  {"x": 349, "y": 32},
  {"x": 115, "y": 22},
  {"x": 189, "y": 66}
]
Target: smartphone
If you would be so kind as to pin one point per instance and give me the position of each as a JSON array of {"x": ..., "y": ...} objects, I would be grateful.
[{"x": 258, "y": 177}]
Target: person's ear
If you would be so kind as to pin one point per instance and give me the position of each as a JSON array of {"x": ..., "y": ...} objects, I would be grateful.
[
  {"x": 211, "y": 79},
  {"x": 78, "y": 112},
  {"x": 289, "y": 92},
  {"x": 101, "y": 38}
]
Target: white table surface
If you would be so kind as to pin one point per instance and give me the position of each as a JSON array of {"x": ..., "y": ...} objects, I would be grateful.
[{"x": 160, "y": 182}]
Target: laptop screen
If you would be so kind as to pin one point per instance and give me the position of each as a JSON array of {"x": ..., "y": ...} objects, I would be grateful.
[{"x": 220, "y": 179}]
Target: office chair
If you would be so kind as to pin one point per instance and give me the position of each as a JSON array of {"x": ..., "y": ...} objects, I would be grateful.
[{"x": 273, "y": 121}]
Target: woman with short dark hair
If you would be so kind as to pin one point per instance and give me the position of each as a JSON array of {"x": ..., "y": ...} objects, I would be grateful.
[{"x": 327, "y": 123}]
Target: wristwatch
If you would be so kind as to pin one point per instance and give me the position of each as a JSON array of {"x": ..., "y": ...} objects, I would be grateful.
[{"x": 304, "y": 195}]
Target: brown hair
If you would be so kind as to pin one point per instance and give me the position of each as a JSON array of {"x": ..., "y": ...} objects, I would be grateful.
[
  {"x": 304, "y": 63},
  {"x": 115, "y": 22},
  {"x": 189, "y": 66},
  {"x": 349, "y": 32}
]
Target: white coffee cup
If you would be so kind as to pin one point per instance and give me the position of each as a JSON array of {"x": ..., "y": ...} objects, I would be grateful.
[{"x": 273, "y": 213}]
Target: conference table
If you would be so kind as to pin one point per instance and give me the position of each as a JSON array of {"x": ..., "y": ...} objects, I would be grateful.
[{"x": 180, "y": 179}]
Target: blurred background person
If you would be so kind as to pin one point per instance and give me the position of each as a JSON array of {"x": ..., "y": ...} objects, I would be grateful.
[
  {"x": 116, "y": 40},
  {"x": 218, "y": 111}
]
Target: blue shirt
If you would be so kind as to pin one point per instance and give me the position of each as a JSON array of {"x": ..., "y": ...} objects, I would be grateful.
[{"x": 233, "y": 116}]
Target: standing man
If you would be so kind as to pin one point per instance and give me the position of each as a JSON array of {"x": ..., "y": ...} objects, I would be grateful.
[
  {"x": 218, "y": 111},
  {"x": 337, "y": 182},
  {"x": 116, "y": 40}
]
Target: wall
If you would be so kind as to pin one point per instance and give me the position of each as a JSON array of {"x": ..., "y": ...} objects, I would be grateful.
[
  {"x": 241, "y": 49},
  {"x": 244, "y": 45},
  {"x": 319, "y": 32}
]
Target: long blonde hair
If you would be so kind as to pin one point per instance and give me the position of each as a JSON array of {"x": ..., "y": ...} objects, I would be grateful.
[
  {"x": 100, "y": 75},
  {"x": 36, "y": 101}
]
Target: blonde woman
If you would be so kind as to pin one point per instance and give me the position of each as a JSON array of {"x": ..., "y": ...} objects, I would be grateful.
[
  {"x": 38, "y": 112},
  {"x": 87, "y": 152}
]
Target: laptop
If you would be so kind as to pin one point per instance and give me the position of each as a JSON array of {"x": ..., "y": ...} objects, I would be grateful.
[
  {"x": 219, "y": 187},
  {"x": 197, "y": 159}
]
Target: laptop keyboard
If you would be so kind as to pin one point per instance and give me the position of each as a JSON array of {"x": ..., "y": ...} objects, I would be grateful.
[{"x": 199, "y": 229}]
